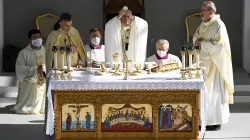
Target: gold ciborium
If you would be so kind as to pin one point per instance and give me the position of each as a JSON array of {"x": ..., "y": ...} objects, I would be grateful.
[{"x": 149, "y": 66}]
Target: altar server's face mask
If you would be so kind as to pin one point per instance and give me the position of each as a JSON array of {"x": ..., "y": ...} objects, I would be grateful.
[
  {"x": 95, "y": 37},
  {"x": 95, "y": 41},
  {"x": 162, "y": 49},
  {"x": 161, "y": 53},
  {"x": 37, "y": 42}
]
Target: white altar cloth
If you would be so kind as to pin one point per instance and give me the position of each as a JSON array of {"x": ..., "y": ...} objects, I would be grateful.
[{"x": 155, "y": 81}]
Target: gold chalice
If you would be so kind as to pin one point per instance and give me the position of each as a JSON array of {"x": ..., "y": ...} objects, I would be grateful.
[
  {"x": 115, "y": 57},
  {"x": 103, "y": 67},
  {"x": 117, "y": 67},
  {"x": 137, "y": 67},
  {"x": 149, "y": 67}
]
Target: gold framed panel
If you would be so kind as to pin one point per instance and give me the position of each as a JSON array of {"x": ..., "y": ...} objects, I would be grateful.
[{"x": 155, "y": 98}]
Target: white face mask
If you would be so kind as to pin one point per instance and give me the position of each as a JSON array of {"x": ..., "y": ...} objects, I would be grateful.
[
  {"x": 161, "y": 53},
  {"x": 37, "y": 42},
  {"x": 95, "y": 41}
]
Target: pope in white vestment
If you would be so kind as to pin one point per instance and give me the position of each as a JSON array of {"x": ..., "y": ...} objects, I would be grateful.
[
  {"x": 31, "y": 77},
  {"x": 129, "y": 33},
  {"x": 162, "y": 56},
  {"x": 95, "y": 51},
  {"x": 212, "y": 36}
]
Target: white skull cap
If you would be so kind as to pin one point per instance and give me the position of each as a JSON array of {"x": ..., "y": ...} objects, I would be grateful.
[{"x": 125, "y": 8}]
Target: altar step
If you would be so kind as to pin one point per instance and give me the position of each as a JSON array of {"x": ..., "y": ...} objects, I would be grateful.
[{"x": 8, "y": 84}]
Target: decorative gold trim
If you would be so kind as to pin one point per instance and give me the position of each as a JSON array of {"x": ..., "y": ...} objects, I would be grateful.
[
  {"x": 153, "y": 97},
  {"x": 42, "y": 16},
  {"x": 186, "y": 22}
]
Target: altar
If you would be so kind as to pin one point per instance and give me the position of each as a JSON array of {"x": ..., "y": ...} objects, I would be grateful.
[{"x": 147, "y": 106}]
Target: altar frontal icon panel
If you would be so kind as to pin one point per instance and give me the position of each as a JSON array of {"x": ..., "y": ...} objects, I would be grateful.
[
  {"x": 78, "y": 117},
  {"x": 126, "y": 118},
  {"x": 175, "y": 118}
]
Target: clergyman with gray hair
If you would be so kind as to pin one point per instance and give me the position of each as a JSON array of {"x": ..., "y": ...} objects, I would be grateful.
[
  {"x": 162, "y": 56},
  {"x": 216, "y": 60}
]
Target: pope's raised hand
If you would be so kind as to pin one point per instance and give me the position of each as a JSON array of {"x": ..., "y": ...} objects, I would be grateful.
[
  {"x": 129, "y": 13},
  {"x": 121, "y": 13}
]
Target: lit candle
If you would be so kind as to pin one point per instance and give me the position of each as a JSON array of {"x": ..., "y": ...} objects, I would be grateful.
[
  {"x": 69, "y": 61},
  {"x": 190, "y": 61},
  {"x": 62, "y": 60},
  {"x": 55, "y": 49},
  {"x": 183, "y": 61},
  {"x": 198, "y": 60},
  {"x": 68, "y": 51},
  {"x": 62, "y": 50},
  {"x": 55, "y": 60}
]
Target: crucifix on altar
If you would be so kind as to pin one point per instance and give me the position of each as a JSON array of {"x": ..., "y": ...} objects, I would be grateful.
[
  {"x": 77, "y": 111},
  {"x": 126, "y": 60}
]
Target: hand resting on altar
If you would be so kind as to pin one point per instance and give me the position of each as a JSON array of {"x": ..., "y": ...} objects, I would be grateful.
[{"x": 95, "y": 64}]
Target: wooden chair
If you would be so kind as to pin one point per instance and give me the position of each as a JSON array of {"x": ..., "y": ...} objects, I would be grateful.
[
  {"x": 45, "y": 24},
  {"x": 192, "y": 23}
]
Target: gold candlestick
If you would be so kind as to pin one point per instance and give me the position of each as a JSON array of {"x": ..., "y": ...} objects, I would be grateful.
[
  {"x": 69, "y": 76},
  {"x": 183, "y": 74},
  {"x": 190, "y": 75},
  {"x": 62, "y": 75},
  {"x": 55, "y": 76},
  {"x": 197, "y": 75}
]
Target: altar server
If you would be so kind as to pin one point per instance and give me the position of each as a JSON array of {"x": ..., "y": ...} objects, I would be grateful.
[
  {"x": 212, "y": 36},
  {"x": 129, "y": 33},
  {"x": 95, "y": 50},
  {"x": 30, "y": 71},
  {"x": 162, "y": 56}
]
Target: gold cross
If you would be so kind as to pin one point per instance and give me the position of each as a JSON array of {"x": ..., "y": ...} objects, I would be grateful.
[{"x": 126, "y": 60}]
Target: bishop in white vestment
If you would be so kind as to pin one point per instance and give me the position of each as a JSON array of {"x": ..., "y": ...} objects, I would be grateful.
[
  {"x": 129, "y": 33},
  {"x": 162, "y": 56},
  {"x": 95, "y": 51},
  {"x": 30, "y": 71},
  {"x": 212, "y": 36}
]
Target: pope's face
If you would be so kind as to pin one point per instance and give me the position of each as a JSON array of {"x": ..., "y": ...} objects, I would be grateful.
[
  {"x": 126, "y": 20},
  {"x": 205, "y": 13},
  {"x": 66, "y": 25},
  {"x": 163, "y": 47}
]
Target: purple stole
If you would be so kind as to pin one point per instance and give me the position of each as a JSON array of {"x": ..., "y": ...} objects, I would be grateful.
[
  {"x": 92, "y": 47},
  {"x": 159, "y": 58}
]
